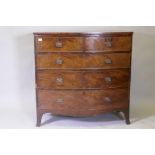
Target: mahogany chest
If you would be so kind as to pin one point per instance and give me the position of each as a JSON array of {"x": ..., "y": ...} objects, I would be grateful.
[{"x": 82, "y": 74}]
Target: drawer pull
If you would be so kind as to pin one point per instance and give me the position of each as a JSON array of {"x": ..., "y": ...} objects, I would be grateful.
[
  {"x": 59, "y": 61},
  {"x": 59, "y": 101},
  {"x": 108, "y": 79},
  {"x": 108, "y": 42},
  {"x": 107, "y": 100},
  {"x": 59, "y": 80},
  {"x": 58, "y": 43},
  {"x": 108, "y": 61}
]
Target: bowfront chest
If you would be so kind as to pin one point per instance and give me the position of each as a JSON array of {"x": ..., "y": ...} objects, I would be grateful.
[{"x": 82, "y": 74}]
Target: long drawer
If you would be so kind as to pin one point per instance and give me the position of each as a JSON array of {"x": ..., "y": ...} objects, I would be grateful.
[
  {"x": 82, "y": 103},
  {"x": 94, "y": 79},
  {"x": 81, "y": 61}
]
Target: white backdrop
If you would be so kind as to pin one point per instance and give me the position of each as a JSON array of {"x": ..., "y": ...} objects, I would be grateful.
[{"x": 17, "y": 89}]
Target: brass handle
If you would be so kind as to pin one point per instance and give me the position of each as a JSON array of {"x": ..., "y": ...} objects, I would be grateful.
[
  {"x": 59, "y": 61},
  {"x": 108, "y": 79},
  {"x": 58, "y": 43},
  {"x": 60, "y": 101},
  {"x": 59, "y": 80},
  {"x": 107, "y": 99},
  {"x": 108, "y": 39},
  {"x": 108, "y": 42},
  {"x": 108, "y": 61}
]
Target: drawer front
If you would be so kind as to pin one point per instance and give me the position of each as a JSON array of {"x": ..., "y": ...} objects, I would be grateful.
[
  {"x": 48, "y": 79},
  {"x": 59, "y": 80},
  {"x": 107, "y": 79},
  {"x": 83, "y": 61},
  {"x": 61, "y": 44},
  {"x": 82, "y": 102},
  {"x": 101, "y": 44}
]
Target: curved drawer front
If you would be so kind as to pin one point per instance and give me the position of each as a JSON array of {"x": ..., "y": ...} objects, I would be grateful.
[
  {"x": 48, "y": 79},
  {"x": 82, "y": 102},
  {"x": 61, "y": 44},
  {"x": 106, "y": 44},
  {"x": 83, "y": 61}
]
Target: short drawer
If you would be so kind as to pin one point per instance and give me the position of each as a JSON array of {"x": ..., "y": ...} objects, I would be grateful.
[
  {"x": 59, "y": 44},
  {"x": 100, "y": 79},
  {"x": 76, "y": 103},
  {"x": 83, "y": 61},
  {"x": 105, "y": 44}
]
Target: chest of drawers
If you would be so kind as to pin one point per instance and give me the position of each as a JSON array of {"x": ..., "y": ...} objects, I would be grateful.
[{"x": 82, "y": 74}]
